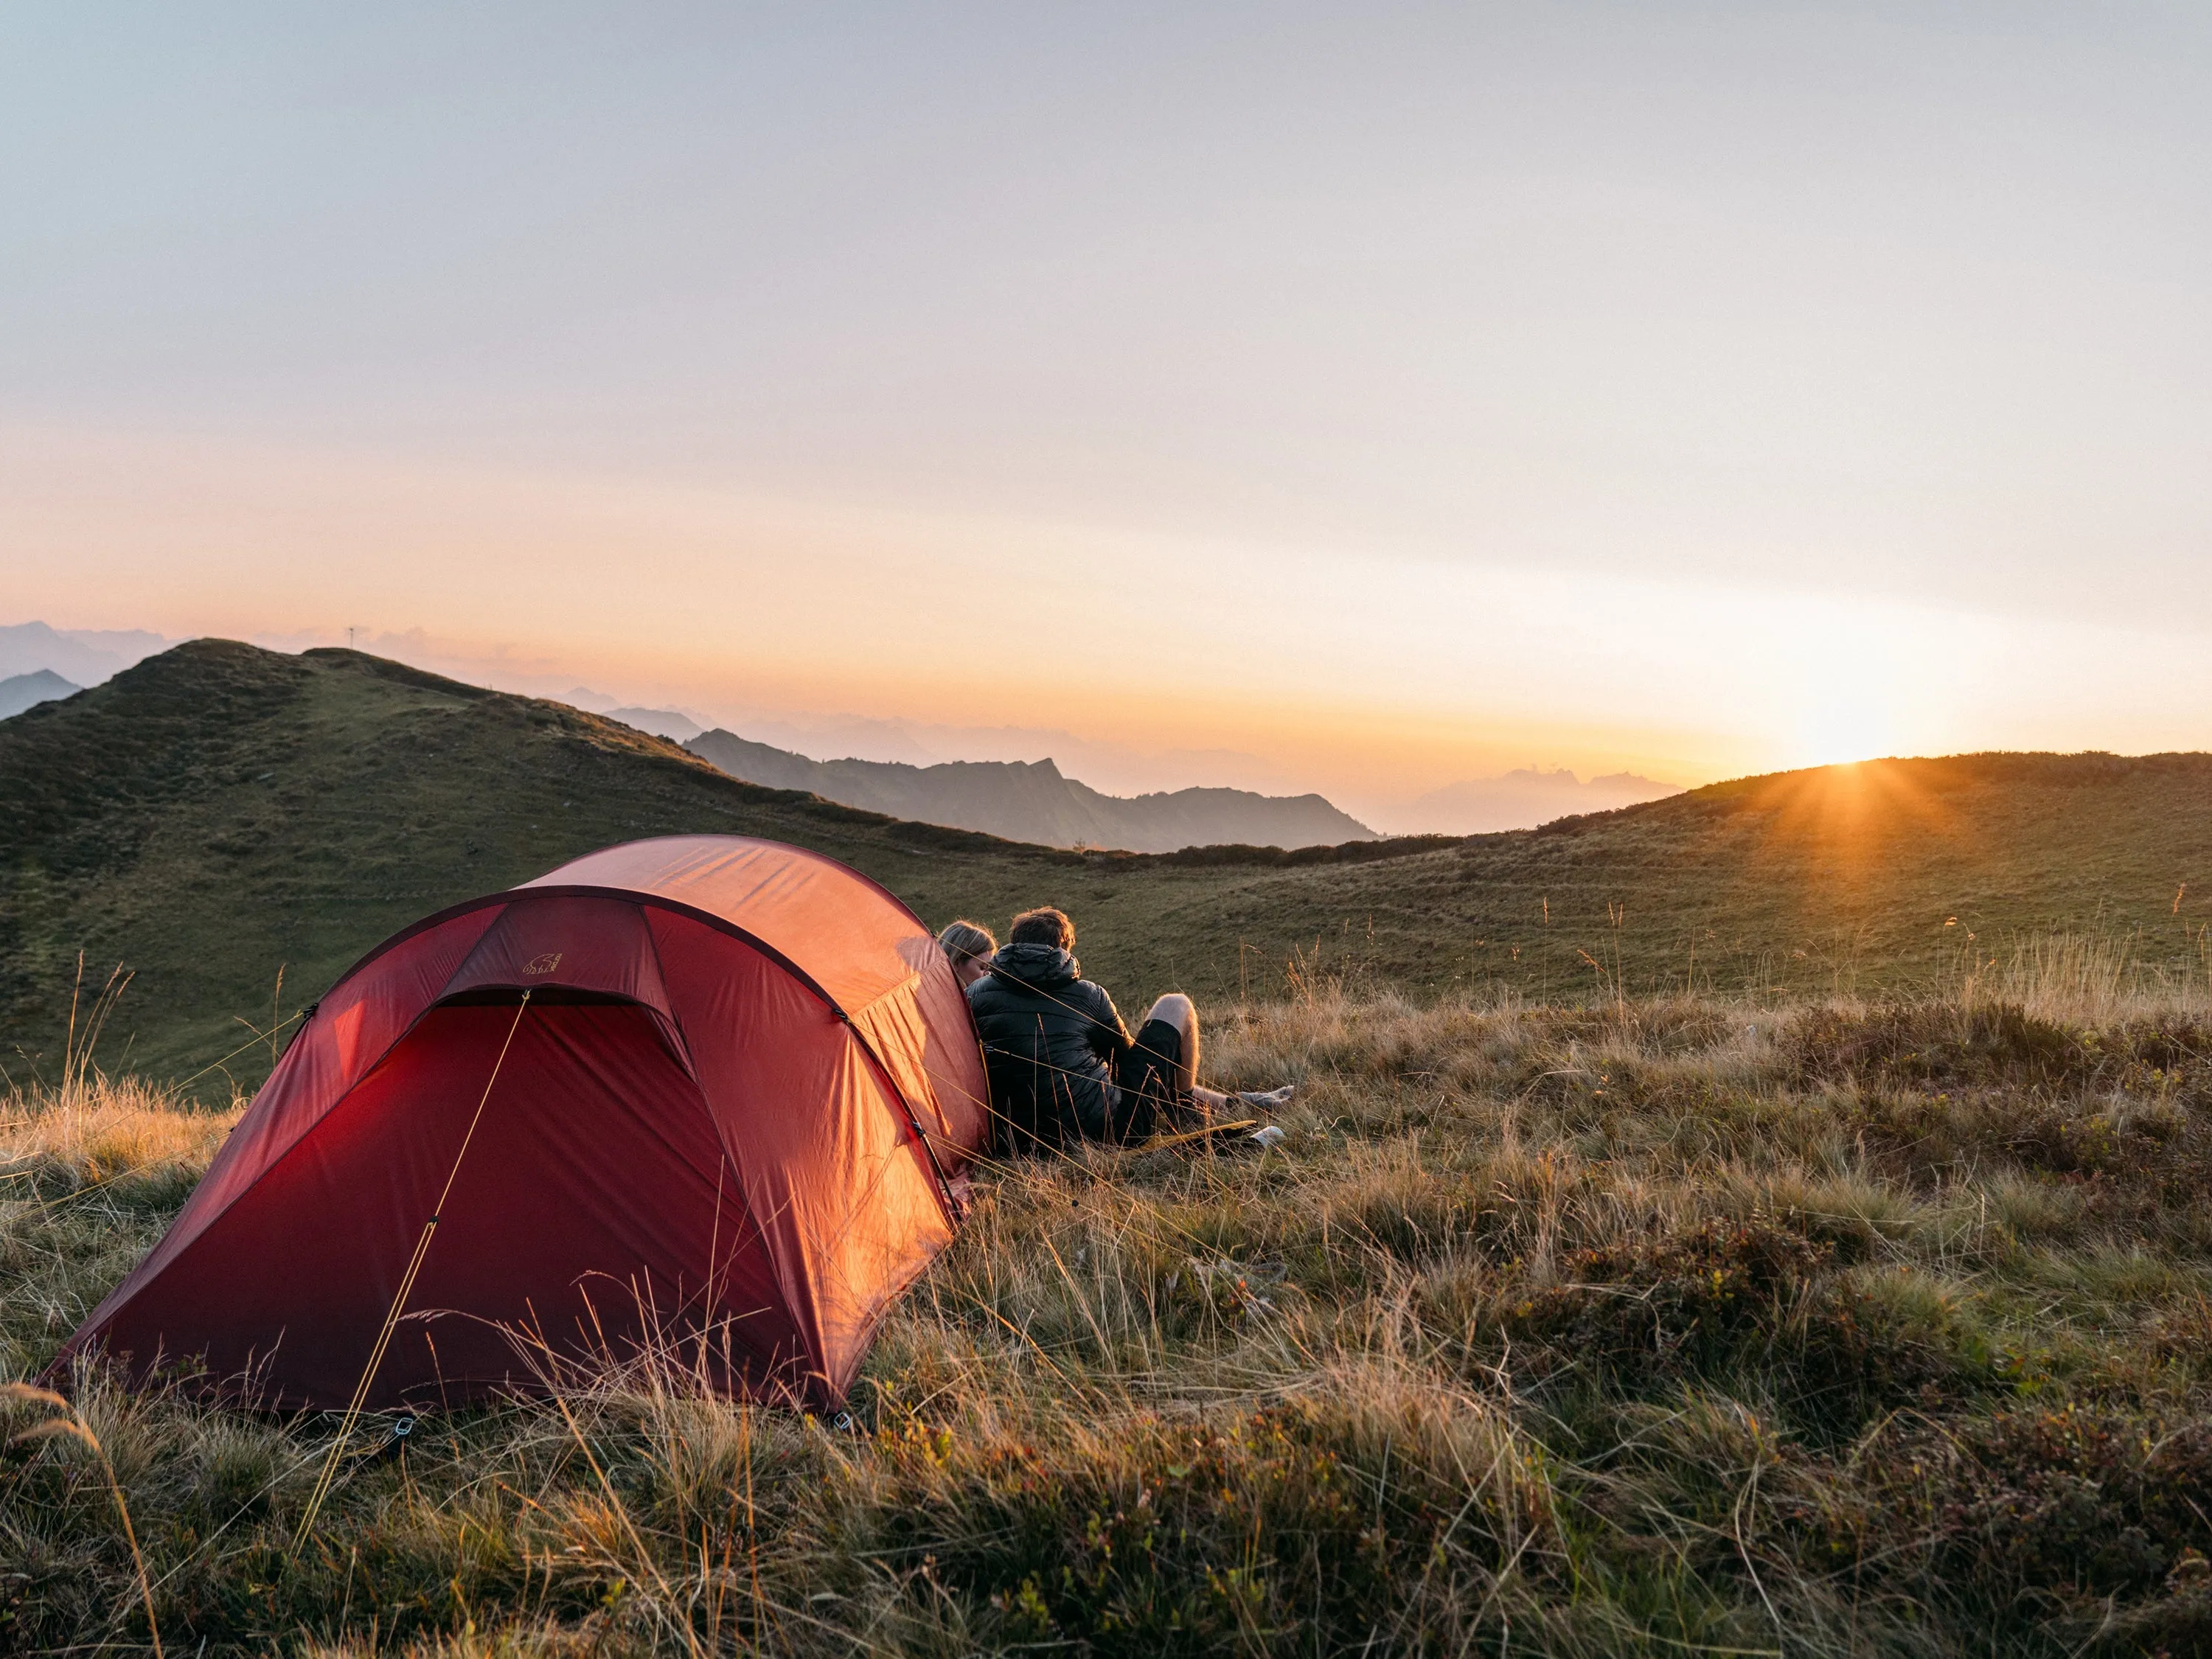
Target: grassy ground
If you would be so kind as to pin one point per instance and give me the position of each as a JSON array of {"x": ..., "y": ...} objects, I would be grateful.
[{"x": 1660, "y": 1325}]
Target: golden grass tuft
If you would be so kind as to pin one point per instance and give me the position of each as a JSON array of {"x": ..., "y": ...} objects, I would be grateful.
[{"x": 106, "y": 1131}]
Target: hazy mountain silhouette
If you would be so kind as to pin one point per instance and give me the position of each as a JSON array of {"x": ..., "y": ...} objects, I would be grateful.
[
  {"x": 21, "y": 691},
  {"x": 1031, "y": 801},
  {"x": 661, "y": 722},
  {"x": 84, "y": 656}
]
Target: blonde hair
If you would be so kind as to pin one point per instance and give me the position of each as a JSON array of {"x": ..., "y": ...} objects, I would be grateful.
[{"x": 964, "y": 942}]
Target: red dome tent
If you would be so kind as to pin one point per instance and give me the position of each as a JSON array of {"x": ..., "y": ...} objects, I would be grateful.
[{"x": 722, "y": 1121}]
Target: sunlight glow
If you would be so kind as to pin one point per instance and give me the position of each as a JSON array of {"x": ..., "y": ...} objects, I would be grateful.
[
  {"x": 1842, "y": 729},
  {"x": 1372, "y": 678}
]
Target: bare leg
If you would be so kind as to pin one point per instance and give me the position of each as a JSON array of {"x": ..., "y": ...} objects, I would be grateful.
[{"x": 1178, "y": 1010}]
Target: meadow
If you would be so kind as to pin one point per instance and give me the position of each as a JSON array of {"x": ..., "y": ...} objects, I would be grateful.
[{"x": 1645, "y": 1324}]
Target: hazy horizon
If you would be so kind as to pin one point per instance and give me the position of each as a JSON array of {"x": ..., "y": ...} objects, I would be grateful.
[
  {"x": 1368, "y": 401},
  {"x": 1519, "y": 798}
]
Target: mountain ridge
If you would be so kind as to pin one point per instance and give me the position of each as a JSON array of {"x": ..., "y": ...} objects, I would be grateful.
[
  {"x": 1033, "y": 801},
  {"x": 21, "y": 691}
]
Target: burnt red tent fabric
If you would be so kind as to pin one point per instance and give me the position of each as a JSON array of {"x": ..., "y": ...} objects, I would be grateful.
[{"x": 729, "y": 1123}]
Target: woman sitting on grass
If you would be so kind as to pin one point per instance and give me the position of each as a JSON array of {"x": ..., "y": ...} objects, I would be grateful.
[{"x": 1062, "y": 1064}]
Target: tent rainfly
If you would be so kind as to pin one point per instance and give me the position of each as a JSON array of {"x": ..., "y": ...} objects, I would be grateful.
[{"x": 705, "y": 1096}]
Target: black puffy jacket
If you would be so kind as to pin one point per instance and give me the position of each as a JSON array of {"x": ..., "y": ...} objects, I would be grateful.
[{"x": 1049, "y": 1038}]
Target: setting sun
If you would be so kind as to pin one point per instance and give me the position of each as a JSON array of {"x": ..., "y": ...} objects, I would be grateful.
[{"x": 1844, "y": 729}]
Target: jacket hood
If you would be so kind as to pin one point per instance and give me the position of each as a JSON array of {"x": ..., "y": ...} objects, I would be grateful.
[{"x": 1045, "y": 966}]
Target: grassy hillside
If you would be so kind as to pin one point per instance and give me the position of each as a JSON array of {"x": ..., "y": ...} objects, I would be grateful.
[
  {"x": 1630, "y": 1330},
  {"x": 219, "y": 813},
  {"x": 1888, "y": 873}
]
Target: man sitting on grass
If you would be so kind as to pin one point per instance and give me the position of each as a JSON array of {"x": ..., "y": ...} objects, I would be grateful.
[{"x": 1063, "y": 1067}]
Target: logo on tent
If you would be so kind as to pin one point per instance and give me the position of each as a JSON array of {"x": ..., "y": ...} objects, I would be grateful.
[{"x": 544, "y": 965}]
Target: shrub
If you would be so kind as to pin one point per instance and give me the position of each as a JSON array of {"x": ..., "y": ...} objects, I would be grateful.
[{"x": 1729, "y": 1302}]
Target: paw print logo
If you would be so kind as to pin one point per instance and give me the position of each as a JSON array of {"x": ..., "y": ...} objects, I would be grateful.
[{"x": 543, "y": 964}]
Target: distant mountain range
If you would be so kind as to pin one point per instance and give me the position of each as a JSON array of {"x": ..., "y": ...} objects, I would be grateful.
[
  {"x": 84, "y": 656},
  {"x": 1017, "y": 799},
  {"x": 661, "y": 722},
  {"x": 1031, "y": 801},
  {"x": 21, "y": 691}
]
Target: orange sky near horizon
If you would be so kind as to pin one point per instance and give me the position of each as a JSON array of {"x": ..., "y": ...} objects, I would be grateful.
[{"x": 1370, "y": 678}]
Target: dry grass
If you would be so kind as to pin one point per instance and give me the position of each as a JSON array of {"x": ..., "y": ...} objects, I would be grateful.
[
  {"x": 1674, "y": 1325},
  {"x": 2091, "y": 979}
]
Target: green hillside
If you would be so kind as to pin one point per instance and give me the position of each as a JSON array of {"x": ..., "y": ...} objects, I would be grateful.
[
  {"x": 1885, "y": 874},
  {"x": 220, "y": 812}
]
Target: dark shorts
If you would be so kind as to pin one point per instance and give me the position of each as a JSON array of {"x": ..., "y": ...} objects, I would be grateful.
[{"x": 1153, "y": 1082}]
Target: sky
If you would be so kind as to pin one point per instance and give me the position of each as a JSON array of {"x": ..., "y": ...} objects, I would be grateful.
[{"x": 1356, "y": 398}]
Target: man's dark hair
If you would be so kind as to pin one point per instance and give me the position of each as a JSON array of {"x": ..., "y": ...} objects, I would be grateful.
[{"x": 1044, "y": 927}]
